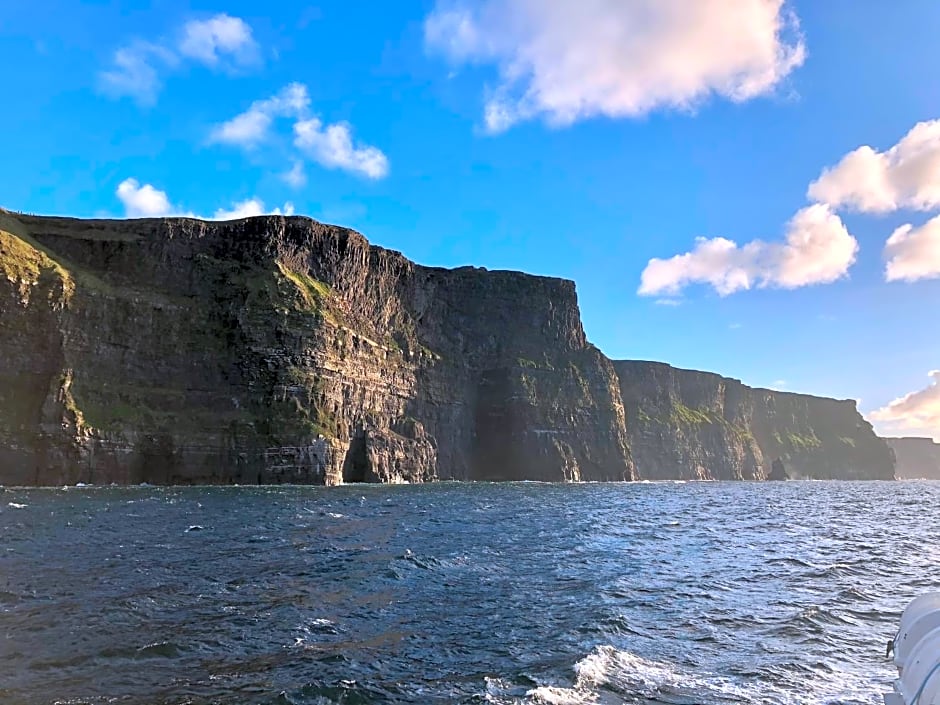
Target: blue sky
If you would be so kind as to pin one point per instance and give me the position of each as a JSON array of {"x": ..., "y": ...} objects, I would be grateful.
[{"x": 580, "y": 140}]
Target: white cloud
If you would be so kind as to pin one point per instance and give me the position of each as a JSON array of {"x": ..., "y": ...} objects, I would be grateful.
[
  {"x": 221, "y": 41},
  {"x": 818, "y": 250},
  {"x": 246, "y": 129},
  {"x": 332, "y": 146},
  {"x": 222, "y": 36},
  {"x": 917, "y": 412},
  {"x": 250, "y": 208},
  {"x": 251, "y": 127},
  {"x": 905, "y": 176},
  {"x": 147, "y": 201},
  {"x": 143, "y": 201},
  {"x": 136, "y": 72},
  {"x": 296, "y": 176},
  {"x": 567, "y": 61},
  {"x": 914, "y": 252}
]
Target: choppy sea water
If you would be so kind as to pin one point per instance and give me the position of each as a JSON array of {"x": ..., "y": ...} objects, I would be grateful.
[{"x": 699, "y": 593}]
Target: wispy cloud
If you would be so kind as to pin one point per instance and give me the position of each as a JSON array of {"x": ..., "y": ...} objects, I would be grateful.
[
  {"x": 251, "y": 127},
  {"x": 220, "y": 42},
  {"x": 147, "y": 201},
  {"x": 219, "y": 39},
  {"x": 567, "y": 61},
  {"x": 295, "y": 176},
  {"x": 330, "y": 145}
]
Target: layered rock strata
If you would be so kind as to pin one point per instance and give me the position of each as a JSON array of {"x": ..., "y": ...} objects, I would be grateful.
[
  {"x": 278, "y": 349},
  {"x": 694, "y": 425}
]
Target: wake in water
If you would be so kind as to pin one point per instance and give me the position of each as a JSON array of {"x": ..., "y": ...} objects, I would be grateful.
[{"x": 608, "y": 676}]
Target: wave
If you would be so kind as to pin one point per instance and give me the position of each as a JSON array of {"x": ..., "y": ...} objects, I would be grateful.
[{"x": 609, "y": 675}]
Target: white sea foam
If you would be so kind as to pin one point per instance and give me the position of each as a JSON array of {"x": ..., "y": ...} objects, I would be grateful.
[
  {"x": 551, "y": 695},
  {"x": 14, "y": 505},
  {"x": 607, "y": 674}
]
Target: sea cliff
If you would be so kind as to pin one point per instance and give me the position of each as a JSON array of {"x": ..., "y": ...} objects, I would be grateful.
[
  {"x": 702, "y": 426},
  {"x": 279, "y": 349},
  {"x": 917, "y": 458}
]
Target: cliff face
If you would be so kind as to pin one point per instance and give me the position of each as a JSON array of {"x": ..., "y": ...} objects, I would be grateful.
[
  {"x": 918, "y": 458},
  {"x": 279, "y": 349},
  {"x": 698, "y": 425},
  {"x": 283, "y": 350}
]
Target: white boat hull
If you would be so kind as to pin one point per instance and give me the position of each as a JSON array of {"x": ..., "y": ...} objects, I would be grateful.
[{"x": 917, "y": 654}]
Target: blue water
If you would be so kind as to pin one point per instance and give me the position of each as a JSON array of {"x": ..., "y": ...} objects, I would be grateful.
[{"x": 701, "y": 593}]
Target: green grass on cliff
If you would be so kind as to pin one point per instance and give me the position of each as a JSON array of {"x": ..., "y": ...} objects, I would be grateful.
[
  {"x": 315, "y": 293},
  {"x": 689, "y": 417},
  {"x": 24, "y": 262},
  {"x": 682, "y": 415},
  {"x": 797, "y": 441}
]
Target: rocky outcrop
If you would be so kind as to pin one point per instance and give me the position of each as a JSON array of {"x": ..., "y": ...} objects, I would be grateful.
[
  {"x": 917, "y": 458},
  {"x": 280, "y": 349},
  {"x": 778, "y": 471},
  {"x": 698, "y": 425}
]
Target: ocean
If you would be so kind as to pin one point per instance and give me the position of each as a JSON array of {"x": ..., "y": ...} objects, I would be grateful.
[{"x": 696, "y": 593}]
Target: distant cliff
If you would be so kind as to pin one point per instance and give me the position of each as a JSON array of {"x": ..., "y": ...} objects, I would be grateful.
[
  {"x": 917, "y": 458},
  {"x": 278, "y": 349},
  {"x": 698, "y": 425}
]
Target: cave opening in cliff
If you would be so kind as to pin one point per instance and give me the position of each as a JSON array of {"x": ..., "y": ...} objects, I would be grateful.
[{"x": 356, "y": 464}]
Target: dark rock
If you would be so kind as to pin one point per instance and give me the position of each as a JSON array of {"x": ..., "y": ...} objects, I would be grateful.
[
  {"x": 778, "y": 472},
  {"x": 274, "y": 349},
  {"x": 282, "y": 350}
]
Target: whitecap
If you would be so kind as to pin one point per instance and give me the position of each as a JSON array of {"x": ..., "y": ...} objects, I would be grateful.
[
  {"x": 607, "y": 669},
  {"x": 14, "y": 505},
  {"x": 550, "y": 695}
]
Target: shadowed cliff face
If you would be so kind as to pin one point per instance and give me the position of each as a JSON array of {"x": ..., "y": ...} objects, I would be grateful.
[
  {"x": 918, "y": 458},
  {"x": 697, "y": 425},
  {"x": 282, "y": 350}
]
